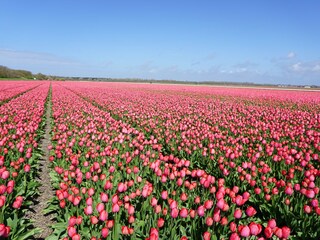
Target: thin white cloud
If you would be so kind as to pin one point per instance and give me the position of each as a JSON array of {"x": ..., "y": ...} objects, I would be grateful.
[
  {"x": 291, "y": 55},
  {"x": 287, "y": 69},
  {"x": 29, "y": 57},
  {"x": 294, "y": 70},
  {"x": 236, "y": 70},
  {"x": 246, "y": 64},
  {"x": 316, "y": 68},
  {"x": 305, "y": 67},
  {"x": 297, "y": 67},
  {"x": 240, "y": 70},
  {"x": 284, "y": 59},
  {"x": 46, "y": 63}
]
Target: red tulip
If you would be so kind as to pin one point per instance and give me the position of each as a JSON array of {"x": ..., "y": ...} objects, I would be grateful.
[
  {"x": 278, "y": 232},
  {"x": 110, "y": 223},
  {"x": 209, "y": 221},
  {"x": 307, "y": 209},
  {"x": 104, "y": 232},
  {"x": 286, "y": 232},
  {"x": 183, "y": 213},
  {"x": 268, "y": 232},
  {"x": 250, "y": 211},
  {"x": 2, "y": 229},
  {"x": 76, "y": 237},
  {"x": 234, "y": 236},
  {"x": 206, "y": 236},
  {"x": 125, "y": 230},
  {"x": 154, "y": 234},
  {"x": 26, "y": 168},
  {"x": 94, "y": 220},
  {"x": 72, "y": 221},
  {"x": 208, "y": 204},
  {"x": 289, "y": 190},
  {"x": 131, "y": 210},
  {"x": 160, "y": 222},
  {"x": 174, "y": 213},
  {"x": 272, "y": 223},
  {"x": 71, "y": 231}
]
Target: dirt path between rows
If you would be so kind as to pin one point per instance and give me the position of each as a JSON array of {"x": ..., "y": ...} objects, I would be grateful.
[{"x": 42, "y": 221}]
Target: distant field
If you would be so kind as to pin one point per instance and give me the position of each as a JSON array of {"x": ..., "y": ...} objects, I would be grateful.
[
  {"x": 227, "y": 85},
  {"x": 161, "y": 161}
]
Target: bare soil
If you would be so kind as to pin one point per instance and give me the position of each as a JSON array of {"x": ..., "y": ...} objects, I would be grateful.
[{"x": 42, "y": 221}]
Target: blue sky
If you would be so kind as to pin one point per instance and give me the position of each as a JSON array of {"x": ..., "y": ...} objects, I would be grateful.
[{"x": 249, "y": 41}]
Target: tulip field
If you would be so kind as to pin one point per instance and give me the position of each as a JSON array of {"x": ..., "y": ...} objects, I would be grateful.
[
  {"x": 151, "y": 161},
  {"x": 21, "y": 126}
]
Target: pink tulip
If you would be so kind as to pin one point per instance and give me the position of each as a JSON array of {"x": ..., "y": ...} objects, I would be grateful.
[
  {"x": 103, "y": 215},
  {"x": 255, "y": 229},
  {"x": 71, "y": 231},
  {"x": 104, "y": 197},
  {"x": 104, "y": 232},
  {"x": 245, "y": 231},
  {"x": 272, "y": 223},
  {"x": 209, "y": 221},
  {"x": 2, "y": 229},
  {"x": 183, "y": 213},
  {"x": 268, "y": 232},
  {"x": 234, "y": 236},
  {"x": 88, "y": 210},
  {"x": 278, "y": 232},
  {"x": 164, "y": 195},
  {"x": 72, "y": 221},
  {"x": 201, "y": 211},
  {"x": 250, "y": 211},
  {"x": 289, "y": 191},
  {"x": 174, "y": 212},
  {"x": 100, "y": 207},
  {"x": 206, "y": 236},
  {"x": 160, "y": 222},
  {"x": 5, "y": 175},
  {"x": 115, "y": 208},
  {"x": 237, "y": 213},
  {"x": 26, "y": 168}
]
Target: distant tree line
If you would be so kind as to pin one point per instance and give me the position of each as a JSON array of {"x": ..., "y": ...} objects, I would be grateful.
[
  {"x": 213, "y": 83},
  {"x": 6, "y": 72}
]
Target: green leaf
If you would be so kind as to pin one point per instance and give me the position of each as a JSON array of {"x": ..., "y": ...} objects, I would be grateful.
[
  {"x": 50, "y": 209},
  {"x": 214, "y": 237},
  {"x": 60, "y": 225},
  {"x": 139, "y": 223},
  {"x": 52, "y": 237},
  {"x": 182, "y": 230},
  {"x": 85, "y": 232},
  {"x": 28, "y": 234}
]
